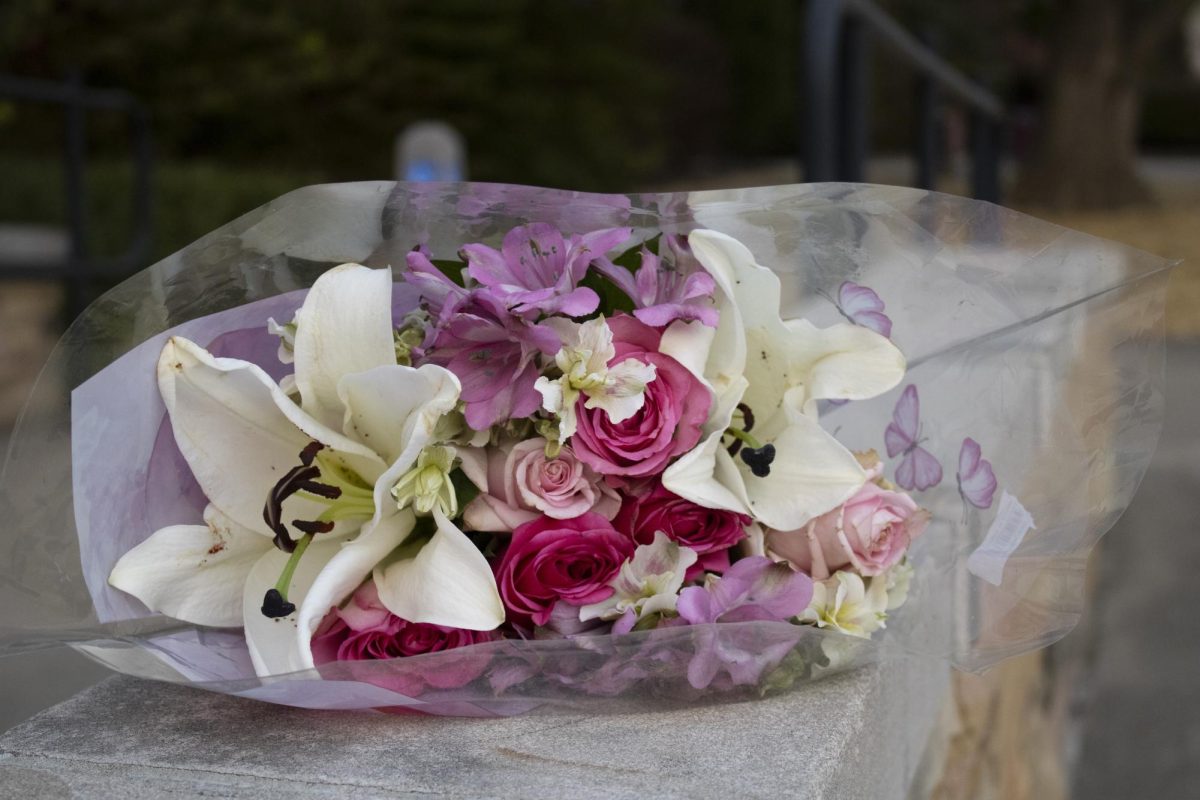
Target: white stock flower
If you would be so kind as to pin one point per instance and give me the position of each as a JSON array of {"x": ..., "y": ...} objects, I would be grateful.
[
  {"x": 245, "y": 440},
  {"x": 778, "y": 369},
  {"x": 427, "y": 485},
  {"x": 646, "y": 584},
  {"x": 619, "y": 390},
  {"x": 844, "y": 603}
]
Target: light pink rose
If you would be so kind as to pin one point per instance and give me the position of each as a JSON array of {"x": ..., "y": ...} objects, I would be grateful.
[
  {"x": 520, "y": 484},
  {"x": 870, "y": 533}
]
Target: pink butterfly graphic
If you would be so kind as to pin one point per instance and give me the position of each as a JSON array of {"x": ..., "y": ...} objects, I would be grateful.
[
  {"x": 918, "y": 469},
  {"x": 863, "y": 307},
  {"x": 976, "y": 480}
]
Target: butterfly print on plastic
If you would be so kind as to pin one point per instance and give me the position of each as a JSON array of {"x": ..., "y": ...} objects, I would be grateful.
[
  {"x": 918, "y": 468},
  {"x": 863, "y": 307},
  {"x": 976, "y": 480}
]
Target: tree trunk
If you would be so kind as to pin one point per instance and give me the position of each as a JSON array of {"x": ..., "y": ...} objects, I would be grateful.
[{"x": 1087, "y": 152}]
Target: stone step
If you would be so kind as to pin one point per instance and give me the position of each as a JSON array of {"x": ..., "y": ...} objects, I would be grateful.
[{"x": 856, "y": 735}]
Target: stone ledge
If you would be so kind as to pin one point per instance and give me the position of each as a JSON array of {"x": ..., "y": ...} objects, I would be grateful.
[{"x": 844, "y": 737}]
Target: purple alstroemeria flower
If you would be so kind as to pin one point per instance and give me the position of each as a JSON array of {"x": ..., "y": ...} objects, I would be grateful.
[
  {"x": 753, "y": 589},
  {"x": 536, "y": 270},
  {"x": 665, "y": 292},
  {"x": 439, "y": 295},
  {"x": 491, "y": 351}
]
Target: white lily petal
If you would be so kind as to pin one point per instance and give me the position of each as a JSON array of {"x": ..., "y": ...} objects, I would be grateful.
[
  {"x": 844, "y": 361},
  {"x": 694, "y": 477},
  {"x": 811, "y": 474},
  {"x": 474, "y": 462},
  {"x": 238, "y": 432},
  {"x": 346, "y": 570},
  {"x": 274, "y": 646},
  {"x": 448, "y": 582},
  {"x": 344, "y": 327},
  {"x": 388, "y": 408},
  {"x": 193, "y": 573},
  {"x": 724, "y": 257},
  {"x": 438, "y": 398},
  {"x": 689, "y": 343}
]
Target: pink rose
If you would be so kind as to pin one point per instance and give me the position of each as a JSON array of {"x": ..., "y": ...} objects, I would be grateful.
[
  {"x": 549, "y": 560},
  {"x": 676, "y": 405},
  {"x": 710, "y": 532},
  {"x": 364, "y": 631},
  {"x": 520, "y": 484},
  {"x": 870, "y": 533}
]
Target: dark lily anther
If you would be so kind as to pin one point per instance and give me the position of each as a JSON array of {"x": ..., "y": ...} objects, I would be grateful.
[
  {"x": 759, "y": 459},
  {"x": 300, "y": 478},
  {"x": 274, "y": 606}
]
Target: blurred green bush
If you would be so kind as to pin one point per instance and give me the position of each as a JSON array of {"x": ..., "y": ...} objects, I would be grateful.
[{"x": 190, "y": 199}]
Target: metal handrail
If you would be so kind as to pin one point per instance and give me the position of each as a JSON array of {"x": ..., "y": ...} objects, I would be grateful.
[
  {"x": 835, "y": 77},
  {"x": 79, "y": 270}
]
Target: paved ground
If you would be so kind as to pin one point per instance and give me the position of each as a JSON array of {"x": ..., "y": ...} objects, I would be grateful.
[{"x": 1141, "y": 720}]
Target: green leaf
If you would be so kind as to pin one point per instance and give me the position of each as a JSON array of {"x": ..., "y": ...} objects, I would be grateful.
[
  {"x": 454, "y": 270},
  {"x": 612, "y": 299},
  {"x": 464, "y": 489}
]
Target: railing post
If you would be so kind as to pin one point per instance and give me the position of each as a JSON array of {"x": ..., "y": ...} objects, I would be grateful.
[
  {"x": 74, "y": 170},
  {"x": 854, "y": 88},
  {"x": 985, "y": 157},
  {"x": 819, "y": 112}
]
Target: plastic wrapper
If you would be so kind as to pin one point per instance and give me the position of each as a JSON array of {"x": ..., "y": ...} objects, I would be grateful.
[{"x": 1042, "y": 345}]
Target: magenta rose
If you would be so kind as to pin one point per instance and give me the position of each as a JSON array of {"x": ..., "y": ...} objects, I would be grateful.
[
  {"x": 870, "y": 533},
  {"x": 708, "y": 531},
  {"x": 520, "y": 484},
  {"x": 550, "y": 560},
  {"x": 676, "y": 405},
  {"x": 364, "y": 630}
]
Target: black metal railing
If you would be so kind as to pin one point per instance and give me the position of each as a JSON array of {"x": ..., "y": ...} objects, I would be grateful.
[
  {"x": 82, "y": 272},
  {"x": 838, "y": 36}
]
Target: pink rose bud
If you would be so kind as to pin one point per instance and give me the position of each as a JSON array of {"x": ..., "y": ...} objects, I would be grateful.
[{"x": 551, "y": 560}]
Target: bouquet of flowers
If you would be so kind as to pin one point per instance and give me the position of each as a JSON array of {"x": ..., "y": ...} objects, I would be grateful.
[{"x": 576, "y": 457}]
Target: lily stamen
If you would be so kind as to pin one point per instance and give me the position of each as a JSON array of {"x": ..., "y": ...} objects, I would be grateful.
[
  {"x": 275, "y": 603},
  {"x": 298, "y": 479},
  {"x": 756, "y": 455},
  {"x": 341, "y": 490},
  {"x": 344, "y": 494}
]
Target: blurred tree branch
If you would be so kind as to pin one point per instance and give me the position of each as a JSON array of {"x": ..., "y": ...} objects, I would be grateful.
[{"x": 1087, "y": 152}]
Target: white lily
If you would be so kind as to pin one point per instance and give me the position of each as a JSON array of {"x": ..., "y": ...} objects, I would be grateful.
[
  {"x": 844, "y": 603},
  {"x": 648, "y": 583},
  {"x": 583, "y": 359},
  {"x": 241, "y": 434},
  {"x": 778, "y": 370}
]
